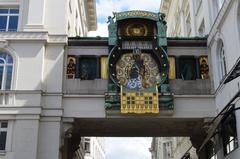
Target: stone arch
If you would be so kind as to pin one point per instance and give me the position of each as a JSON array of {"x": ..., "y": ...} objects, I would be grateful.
[{"x": 221, "y": 59}]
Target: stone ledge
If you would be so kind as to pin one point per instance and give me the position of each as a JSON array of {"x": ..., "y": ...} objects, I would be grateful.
[{"x": 37, "y": 36}]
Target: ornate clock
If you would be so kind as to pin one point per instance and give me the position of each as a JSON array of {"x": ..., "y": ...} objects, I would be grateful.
[
  {"x": 138, "y": 63},
  {"x": 138, "y": 69}
]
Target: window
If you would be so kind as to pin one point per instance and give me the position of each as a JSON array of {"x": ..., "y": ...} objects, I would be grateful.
[
  {"x": 201, "y": 30},
  {"x": 3, "y": 135},
  {"x": 87, "y": 67},
  {"x": 229, "y": 133},
  {"x": 167, "y": 150},
  {"x": 187, "y": 68},
  {"x": 87, "y": 145},
  {"x": 213, "y": 146},
  {"x": 6, "y": 71},
  {"x": 9, "y": 19},
  {"x": 221, "y": 61}
]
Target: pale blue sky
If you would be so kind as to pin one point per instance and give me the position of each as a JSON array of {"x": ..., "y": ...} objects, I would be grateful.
[{"x": 106, "y": 7}]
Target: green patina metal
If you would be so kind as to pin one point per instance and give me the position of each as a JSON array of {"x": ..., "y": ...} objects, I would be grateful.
[
  {"x": 112, "y": 31},
  {"x": 162, "y": 37},
  {"x": 137, "y": 14},
  {"x": 112, "y": 96}
]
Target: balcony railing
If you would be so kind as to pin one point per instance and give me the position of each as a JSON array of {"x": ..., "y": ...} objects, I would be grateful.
[{"x": 6, "y": 98}]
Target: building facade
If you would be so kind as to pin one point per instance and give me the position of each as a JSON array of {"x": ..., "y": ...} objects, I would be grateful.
[
  {"x": 56, "y": 89},
  {"x": 94, "y": 148},
  {"x": 172, "y": 148},
  {"x": 190, "y": 18},
  {"x": 219, "y": 20},
  {"x": 33, "y": 38}
]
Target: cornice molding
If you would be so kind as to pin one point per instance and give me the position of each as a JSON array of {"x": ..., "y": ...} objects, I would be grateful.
[
  {"x": 32, "y": 36},
  {"x": 56, "y": 39},
  {"x": 23, "y": 35}
]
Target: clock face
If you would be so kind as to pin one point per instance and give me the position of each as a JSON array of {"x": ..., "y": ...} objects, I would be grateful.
[
  {"x": 136, "y": 29},
  {"x": 137, "y": 71}
]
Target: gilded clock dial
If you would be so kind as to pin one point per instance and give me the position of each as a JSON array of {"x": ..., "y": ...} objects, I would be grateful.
[
  {"x": 137, "y": 70},
  {"x": 136, "y": 29}
]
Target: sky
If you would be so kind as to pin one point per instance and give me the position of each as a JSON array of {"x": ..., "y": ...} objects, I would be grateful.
[
  {"x": 123, "y": 148},
  {"x": 105, "y": 8},
  {"x": 128, "y": 148}
]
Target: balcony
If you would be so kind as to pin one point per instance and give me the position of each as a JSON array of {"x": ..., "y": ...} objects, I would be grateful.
[
  {"x": 190, "y": 87},
  {"x": 77, "y": 86}
]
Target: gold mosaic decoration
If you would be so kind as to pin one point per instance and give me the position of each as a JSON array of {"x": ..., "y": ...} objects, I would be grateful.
[
  {"x": 139, "y": 102},
  {"x": 71, "y": 67},
  {"x": 204, "y": 68},
  {"x": 172, "y": 69}
]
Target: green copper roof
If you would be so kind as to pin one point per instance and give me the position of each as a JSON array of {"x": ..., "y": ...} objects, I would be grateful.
[{"x": 137, "y": 14}]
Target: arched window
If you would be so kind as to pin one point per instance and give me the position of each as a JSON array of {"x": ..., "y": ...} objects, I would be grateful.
[
  {"x": 6, "y": 71},
  {"x": 221, "y": 60}
]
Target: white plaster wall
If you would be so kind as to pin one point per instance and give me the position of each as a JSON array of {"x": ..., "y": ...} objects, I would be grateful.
[
  {"x": 56, "y": 16},
  {"x": 25, "y": 136},
  {"x": 53, "y": 68},
  {"x": 84, "y": 107},
  {"x": 227, "y": 31},
  {"x": 184, "y": 107},
  {"x": 30, "y": 64},
  {"x": 49, "y": 139}
]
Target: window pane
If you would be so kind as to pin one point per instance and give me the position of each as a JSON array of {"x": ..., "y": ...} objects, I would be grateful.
[
  {"x": 3, "y": 23},
  {"x": 187, "y": 68},
  {"x": 88, "y": 68},
  {"x": 1, "y": 61},
  {"x": 3, "y": 11},
  {"x": 4, "y": 125},
  {"x": 9, "y": 77},
  {"x": 9, "y": 59},
  {"x": 13, "y": 23},
  {"x": 15, "y": 11},
  {"x": 3, "y": 55},
  {"x": 3, "y": 136},
  {"x": 1, "y": 76}
]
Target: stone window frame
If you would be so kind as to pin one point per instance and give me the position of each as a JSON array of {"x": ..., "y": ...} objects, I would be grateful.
[
  {"x": 6, "y": 64},
  {"x": 167, "y": 148},
  {"x": 232, "y": 141},
  {"x": 221, "y": 57},
  {"x": 4, "y": 129},
  {"x": 8, "y": 15}
]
